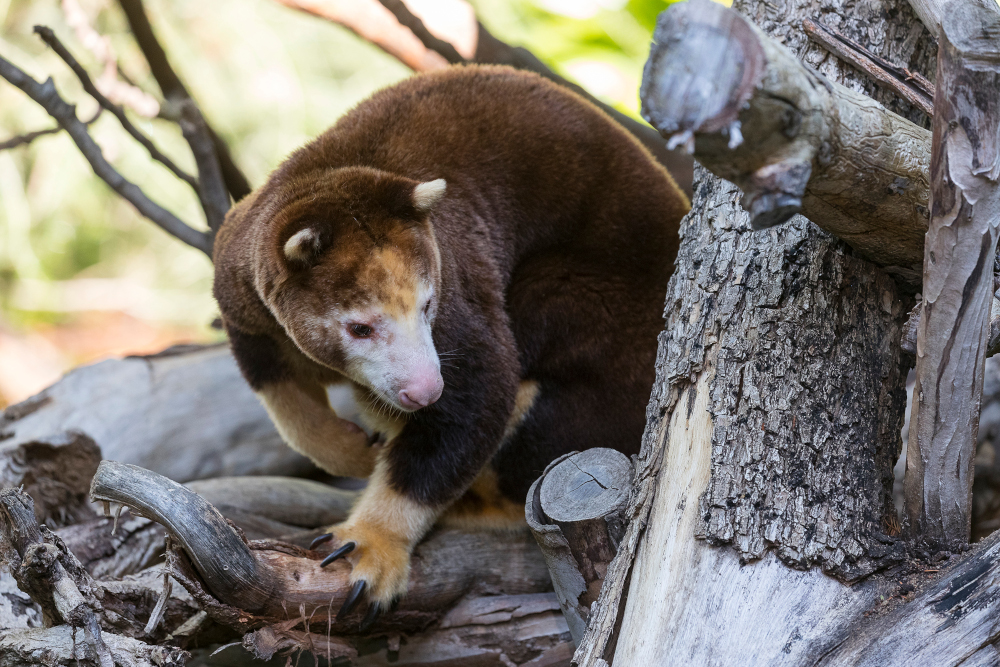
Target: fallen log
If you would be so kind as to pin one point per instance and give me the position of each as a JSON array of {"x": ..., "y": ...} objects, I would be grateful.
[
  {"x": 185, "y": 413},
  {"x": 282, "y": 594},
  {"x": 297, "y": 502}
]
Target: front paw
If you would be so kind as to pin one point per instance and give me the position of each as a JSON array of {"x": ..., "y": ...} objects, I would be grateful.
[{"x": 380, "y": 565}]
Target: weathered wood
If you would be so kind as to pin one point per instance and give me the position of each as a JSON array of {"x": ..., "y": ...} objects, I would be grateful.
[
  {"x": 219, "y": 555},
  {"x": 954, "y": 328},
  {"x": 767, "y": 377},
  {"x": 585, "y": 495},
  {"x": 298, "y": 502},
  {"x": 563, "y": 568},
  {"x": 185, "y": 413},
  {"x": 260, "y": 583},
  {"x": 112, "y": 547},
  {"x": 107, "y": 616},
  {"x": 54, "y": 469},
  {"x": 63, "y": 646},
  {"x": 955, "y": 621},
  {"x": 792, "y": 140},
  {"x": 757, "y": 428},
  {"x": 262, "y": 507},
  {"x": 17, "y": 610},
  {"x": 487, "y": 631}
]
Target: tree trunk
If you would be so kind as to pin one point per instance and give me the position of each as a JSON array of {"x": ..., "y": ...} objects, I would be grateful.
[{"x": 763, "y": 487}]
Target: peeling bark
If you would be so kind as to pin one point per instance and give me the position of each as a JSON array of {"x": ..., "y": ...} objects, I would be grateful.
[{"x": 954, "y": 329}]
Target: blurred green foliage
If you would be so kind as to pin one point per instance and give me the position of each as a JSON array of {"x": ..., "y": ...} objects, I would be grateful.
[{"x": 269, "y": 79}]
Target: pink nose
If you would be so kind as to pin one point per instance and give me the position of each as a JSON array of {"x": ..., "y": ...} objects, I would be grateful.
[{"x": 421, "y": 391}]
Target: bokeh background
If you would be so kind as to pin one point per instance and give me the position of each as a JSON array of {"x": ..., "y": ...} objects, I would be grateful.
[{"x": 83, "y": 276}]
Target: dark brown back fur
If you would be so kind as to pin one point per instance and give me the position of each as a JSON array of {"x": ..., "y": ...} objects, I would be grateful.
[{"x": 557, "y": 235}]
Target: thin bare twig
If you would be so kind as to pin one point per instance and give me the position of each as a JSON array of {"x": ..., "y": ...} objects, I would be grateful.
[
  {"x": 49, "y": 37},
  {"x": 28, "y": 137},
  {"x": 48, "y": 98},
  {"x": 212, "y": 185},
  {"x": 911, "y": 86},
  {"x": 174, "y": 91},
  {"x": 114, "y": 84}
]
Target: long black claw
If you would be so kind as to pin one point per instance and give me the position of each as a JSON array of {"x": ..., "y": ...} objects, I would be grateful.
[
  {"x": 325, "y": 537},
  {"x": 369, "y": 620},
  {"x": 352, "y": 599},
  {"x": 342, "y": 551}
]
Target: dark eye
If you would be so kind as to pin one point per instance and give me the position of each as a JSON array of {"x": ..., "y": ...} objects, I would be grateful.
[
  {"x": 360, "y": 330},
  {"x": 427, "y": 307}
]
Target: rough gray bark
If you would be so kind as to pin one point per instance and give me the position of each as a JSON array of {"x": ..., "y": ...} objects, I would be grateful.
[
  {"x": 954, "y": 329},
  {"x": 792, "y": 140},
  {"x": 185, "y": 413},
  {"x": 778, "y": 377}
]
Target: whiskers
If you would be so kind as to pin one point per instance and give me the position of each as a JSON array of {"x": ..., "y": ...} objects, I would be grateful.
[
  {"x": 382, "y": 409},
  {"x": 450, "y": 358}
]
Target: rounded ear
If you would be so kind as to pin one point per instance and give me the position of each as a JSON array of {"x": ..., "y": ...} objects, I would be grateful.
[
  {"x": 427, "y": 195},
  {"x": 304, "y": 247}
]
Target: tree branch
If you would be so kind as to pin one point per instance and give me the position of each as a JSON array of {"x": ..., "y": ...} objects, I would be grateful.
[
  {"x": 372, "y": 22},
  {"x": 211, "y": 181},
  {"x": 791, "y": 140},
  {"x": 911, "y": 86},
  {"x": 28, "y": 137},
  {"x": 115, "y": 85},
  {"x": 175, "y": 92},
  {"x": 49, "y": 37},
  {"x": 408, "y": 20},
  {"x": 48, "y": 98}
]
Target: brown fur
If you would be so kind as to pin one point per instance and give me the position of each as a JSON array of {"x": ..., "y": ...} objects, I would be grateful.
[{"x": 550, "y": 253}]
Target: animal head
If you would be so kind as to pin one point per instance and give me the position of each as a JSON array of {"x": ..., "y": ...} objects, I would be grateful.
[{"x": 357, "y": 278}]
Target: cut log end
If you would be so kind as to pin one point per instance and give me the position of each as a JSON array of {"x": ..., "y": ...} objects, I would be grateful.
[{"x": 576, "y": 513}]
